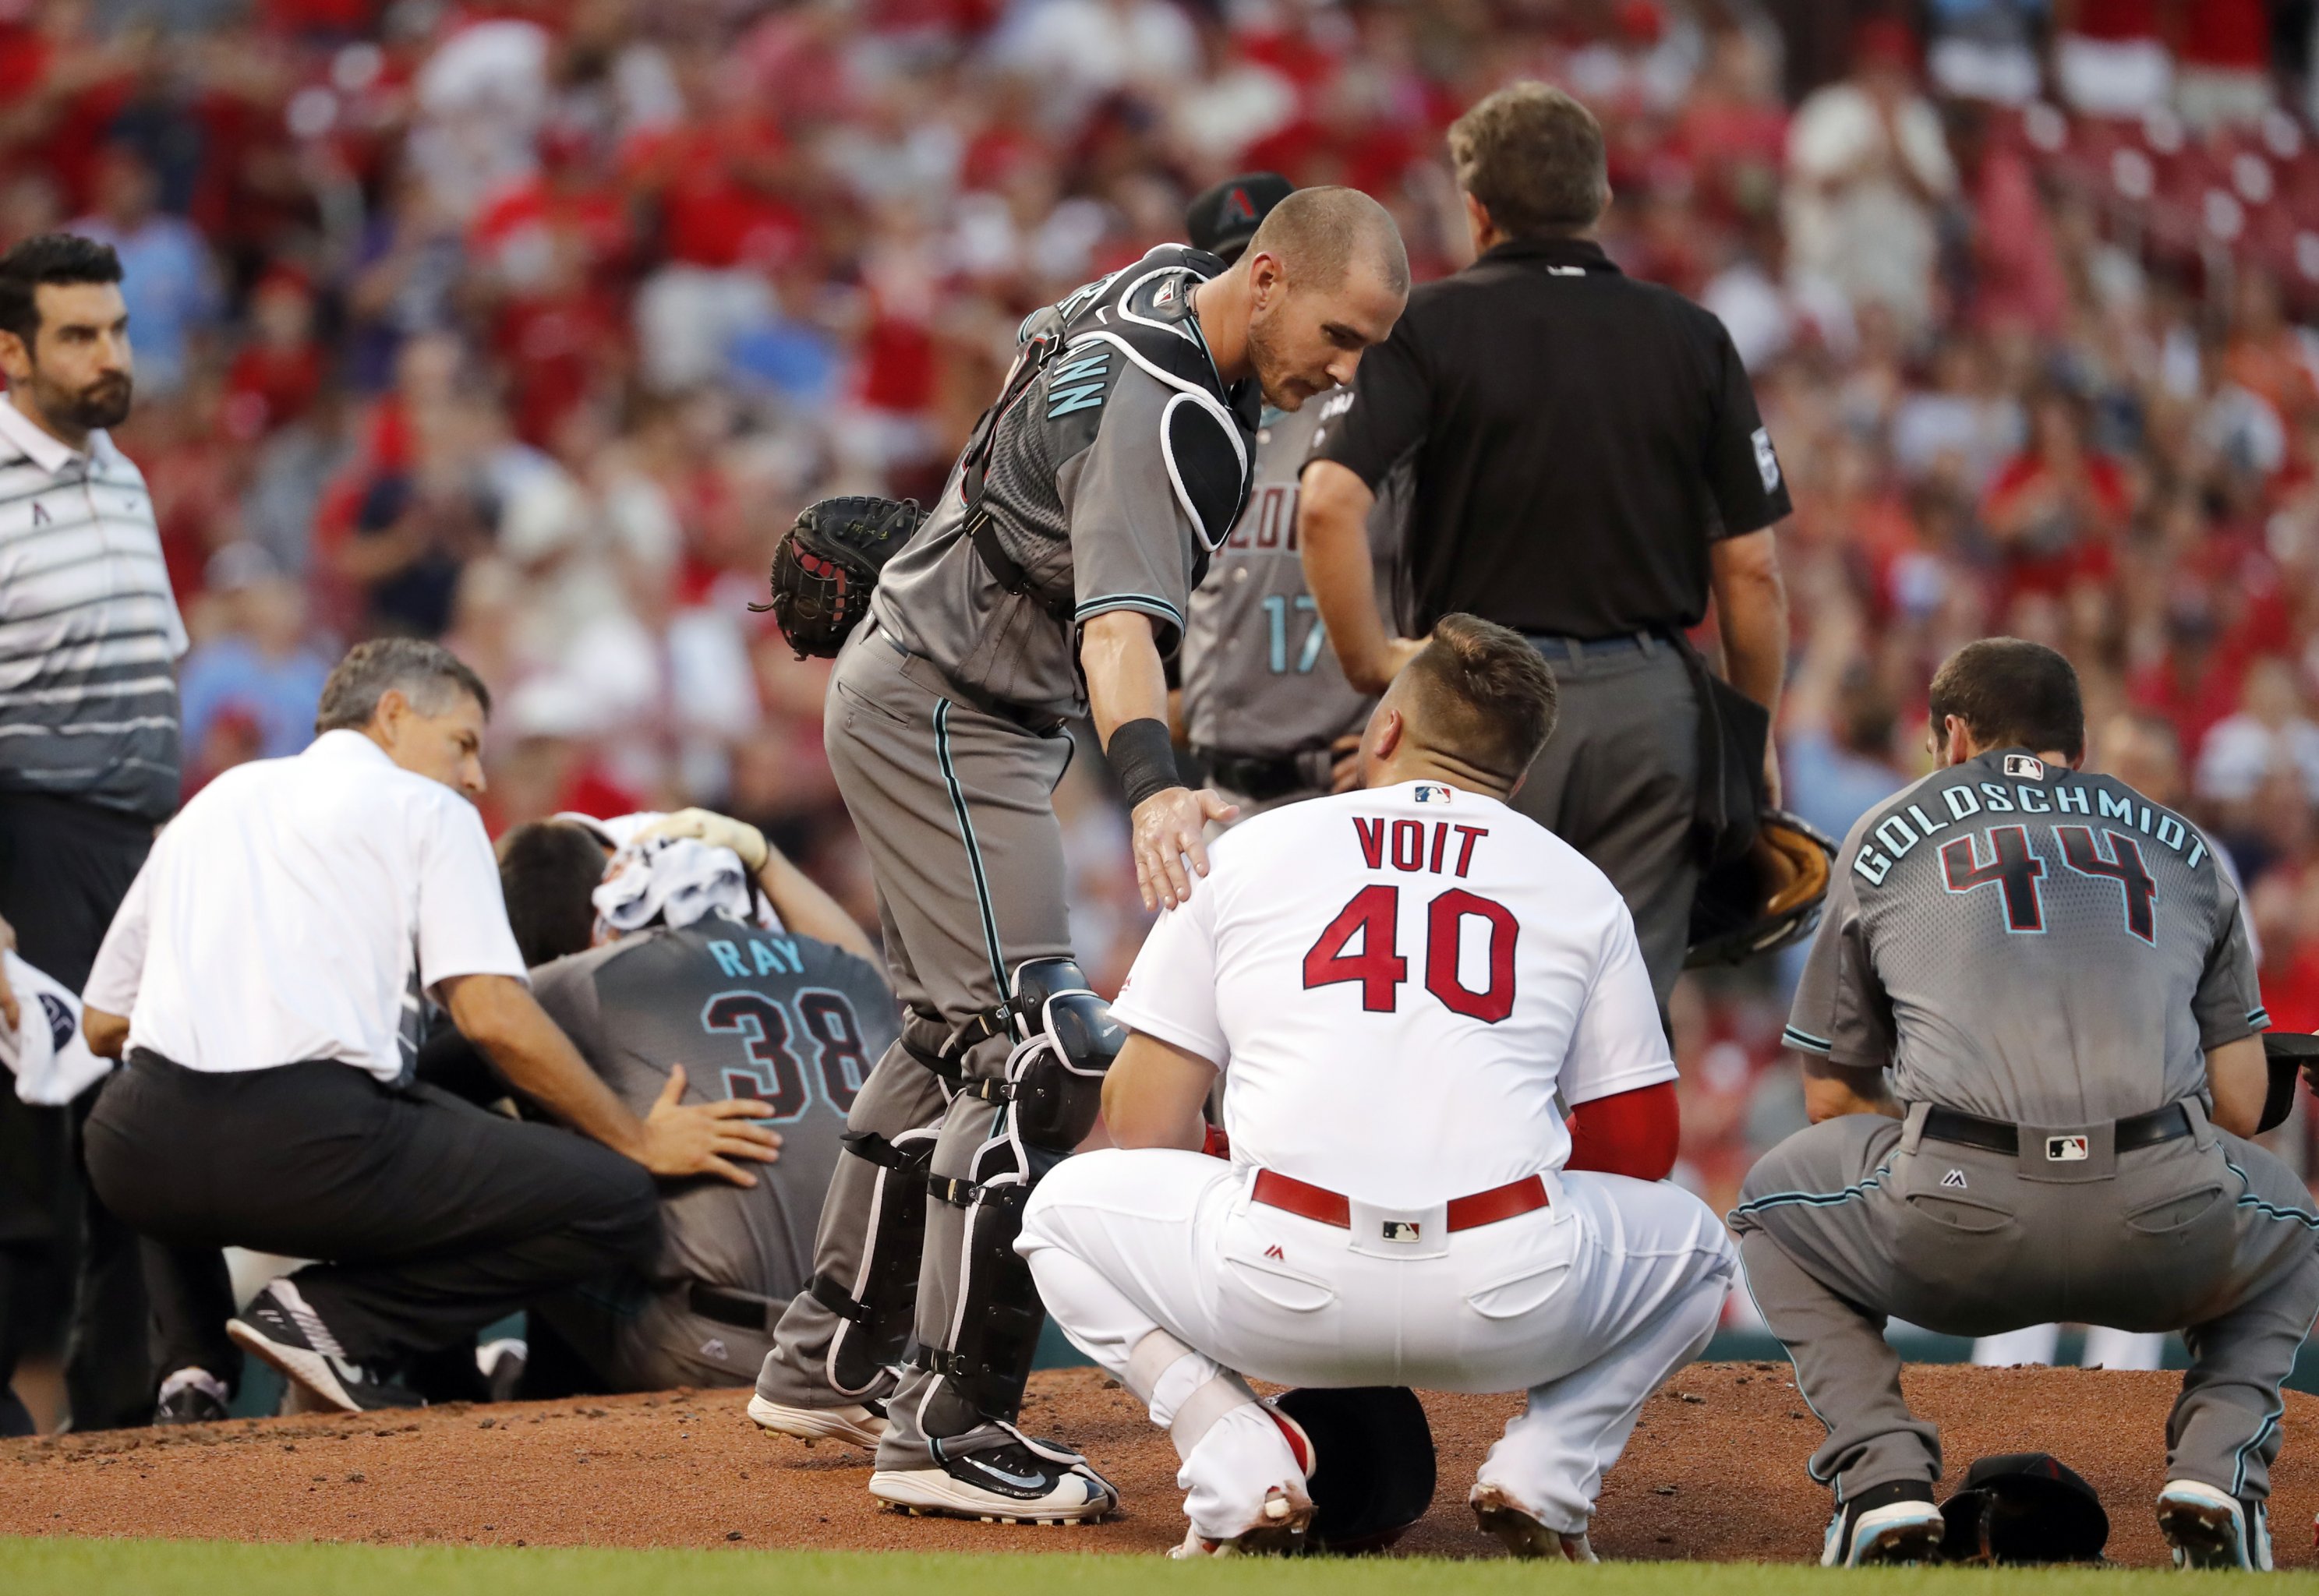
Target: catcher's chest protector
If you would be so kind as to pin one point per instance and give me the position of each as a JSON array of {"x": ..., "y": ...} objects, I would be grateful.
[{"x": 1075, "y": 351}]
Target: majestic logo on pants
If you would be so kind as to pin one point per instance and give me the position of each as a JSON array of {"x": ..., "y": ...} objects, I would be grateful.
[
  {"x": 2066, "y": 1150},
  {"x": 1955, "y": 1177},
  {"x": 1400, "y": 1230}
]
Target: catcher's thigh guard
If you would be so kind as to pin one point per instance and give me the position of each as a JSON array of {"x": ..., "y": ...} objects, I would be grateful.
[
  {"x": 874, "y": 1309},
  {"x": 1049, "y": 1100}
]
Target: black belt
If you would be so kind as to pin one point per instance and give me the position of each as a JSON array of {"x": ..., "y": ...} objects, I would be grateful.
[
  {"x": 1260, "y": 776},
  {"x": 1970, "y": 1130},
  {"x": 730, "y": 1307},
  {"x": 1587, "y": 648}
]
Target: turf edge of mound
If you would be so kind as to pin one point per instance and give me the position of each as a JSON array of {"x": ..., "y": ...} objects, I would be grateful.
[{"x": 67, "y": 1566}]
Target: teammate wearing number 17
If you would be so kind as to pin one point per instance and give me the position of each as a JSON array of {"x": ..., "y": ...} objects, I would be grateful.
[{"x": 1395, "y": 983}]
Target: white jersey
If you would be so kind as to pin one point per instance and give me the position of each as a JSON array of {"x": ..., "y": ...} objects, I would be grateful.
[{"x": 1395, "y": 982}]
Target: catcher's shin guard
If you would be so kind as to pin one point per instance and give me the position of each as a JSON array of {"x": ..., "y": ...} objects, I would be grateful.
[
  {"x": 1049, "y": 1100},
  {"x": 874, "y": 1309}
]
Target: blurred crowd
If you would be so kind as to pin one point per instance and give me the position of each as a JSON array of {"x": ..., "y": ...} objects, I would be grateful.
[{"x": 530, "y": 325}]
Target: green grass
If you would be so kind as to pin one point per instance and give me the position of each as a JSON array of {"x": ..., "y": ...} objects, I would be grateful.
[{"x": 65, "y": 1568}]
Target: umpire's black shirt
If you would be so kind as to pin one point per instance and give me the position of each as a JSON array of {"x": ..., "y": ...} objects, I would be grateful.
[{"x": 1580, "y": 438}]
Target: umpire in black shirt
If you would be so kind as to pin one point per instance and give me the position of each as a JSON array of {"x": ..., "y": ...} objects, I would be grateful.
[{"x": 1589, "y": 468}]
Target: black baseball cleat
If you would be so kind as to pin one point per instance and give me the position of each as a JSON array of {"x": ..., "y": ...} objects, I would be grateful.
[
  {"x": 279, "y": 1327},
  {"x": 191, "y": 1396},
  {"x": 1894, "y": 1522},
  {"x": 996, "y": 1472}
]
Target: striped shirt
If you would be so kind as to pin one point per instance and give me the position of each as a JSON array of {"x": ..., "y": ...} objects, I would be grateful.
[{"x": 89, "y": 631}]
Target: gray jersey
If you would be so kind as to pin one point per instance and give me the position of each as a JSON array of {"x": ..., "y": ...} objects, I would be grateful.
[
  {"x": 1260, "y": 677},
  {"x": 1110, "y": 479},
  {"x": 2028, "y": 943},
  {"x": 789, "y": 1020}
]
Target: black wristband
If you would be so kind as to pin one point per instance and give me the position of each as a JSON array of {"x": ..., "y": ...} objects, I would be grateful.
[{"x": 1143, "y": 759}]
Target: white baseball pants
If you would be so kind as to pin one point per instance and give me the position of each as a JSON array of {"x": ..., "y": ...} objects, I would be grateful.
[{"x": 1588, "y": 1304}]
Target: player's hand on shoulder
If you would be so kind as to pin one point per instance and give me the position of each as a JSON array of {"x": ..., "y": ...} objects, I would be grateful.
[
  {"x": 718, "y": 831},
  {"x": 1345, "y": 762},
  {"x": 684, "y": 1139},
  {"x": 1168, "y": 831}
]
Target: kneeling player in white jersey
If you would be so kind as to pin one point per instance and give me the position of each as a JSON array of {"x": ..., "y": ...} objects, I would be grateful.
[{"x": 1395, "y": 982}]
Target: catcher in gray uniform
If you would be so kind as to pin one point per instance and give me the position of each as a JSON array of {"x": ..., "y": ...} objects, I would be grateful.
[
  {"x": 1050, "y": 581},
  {"x": 1266, "y": 708},
  {"x": 2031, "y": 1024}
]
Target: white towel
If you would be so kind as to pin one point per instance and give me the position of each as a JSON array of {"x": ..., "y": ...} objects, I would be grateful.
[
  {"x": 53, "y": 1065},
  {"x": 675, "y": 881}
]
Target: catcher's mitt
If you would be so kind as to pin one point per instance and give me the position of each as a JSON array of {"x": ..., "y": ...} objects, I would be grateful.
[
  {"x": 1764, "y": 899},
  {"x": 828, "y": 565}
]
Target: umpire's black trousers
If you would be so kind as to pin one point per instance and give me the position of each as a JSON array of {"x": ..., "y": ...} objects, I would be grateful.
[
  {"x": 65, "y": 866},
  {"x": 433, "y": 1217}
]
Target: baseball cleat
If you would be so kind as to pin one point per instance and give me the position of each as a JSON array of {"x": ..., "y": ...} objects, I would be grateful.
[
  {"x": 1000, "y": 1476},
  {"x": 2208, "y": 1528},
  {"x": 279, "y": 1329},
  {"x": 191, "y": 1396},
  {"x": 857, "y": 1424},
  {"x": 1282, "y": 1523},
  {"x": 1521, "y": 1535},
  {"x": 1895, "y": 1522}
]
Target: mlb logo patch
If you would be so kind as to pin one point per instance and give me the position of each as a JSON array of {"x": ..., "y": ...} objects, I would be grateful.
[
  {"x": 2066, "y": 1150},
  {"x": 2025, "y": 765},
  {"x": 1426, "y": 792},
  {"x": 1400, "y": 1230}
]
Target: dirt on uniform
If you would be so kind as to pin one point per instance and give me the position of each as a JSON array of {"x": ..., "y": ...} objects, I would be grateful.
[{"x": 1715, "y": 1471}]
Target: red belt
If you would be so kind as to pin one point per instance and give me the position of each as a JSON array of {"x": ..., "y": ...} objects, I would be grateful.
[{"x": 1275, "y": 1190}]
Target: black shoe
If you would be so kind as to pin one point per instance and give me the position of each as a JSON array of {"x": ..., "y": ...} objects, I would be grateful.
[
  {"x": 1894, "y": 1522},
  {"x": 191, "y": 1396},
  {"x": 280, "y": 1328}
]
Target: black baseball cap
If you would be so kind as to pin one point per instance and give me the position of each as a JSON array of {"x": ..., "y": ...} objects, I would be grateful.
[{"x": 1222, "y": 219}]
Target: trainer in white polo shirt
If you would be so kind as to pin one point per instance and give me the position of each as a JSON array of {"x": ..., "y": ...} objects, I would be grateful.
[
  {"x": 265, "y": 974},
  {"x": 1394, "y": 982}
]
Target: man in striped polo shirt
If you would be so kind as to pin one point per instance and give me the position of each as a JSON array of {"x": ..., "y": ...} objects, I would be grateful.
[{"x": 89, "y": 640}]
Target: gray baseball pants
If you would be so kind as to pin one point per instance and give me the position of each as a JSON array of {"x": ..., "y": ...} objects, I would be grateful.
[
  {"x": 1862, "y": 1218},
  {"x": 1619, "y": 781},
  {"x": 954, "y": 804}
]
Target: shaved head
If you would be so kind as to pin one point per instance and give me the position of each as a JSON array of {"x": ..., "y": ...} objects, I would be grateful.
[{"x": 1317, "y": 234}]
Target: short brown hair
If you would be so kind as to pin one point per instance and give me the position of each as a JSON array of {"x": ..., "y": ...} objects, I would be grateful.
[
  {"x": 2010, "y": 693},
  {"x": 1484, "y": 695},
  {"x": 1533, "y": 157},
  {"x": 1316, "y": 232},
  {"x": 548, "y": 874},
  {"x": 427, "y": 673}
]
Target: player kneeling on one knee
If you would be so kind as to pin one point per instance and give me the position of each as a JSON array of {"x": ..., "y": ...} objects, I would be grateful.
[
  {"x": 2031, "y": 1023},
  {"x": 1393, "y": 982}
]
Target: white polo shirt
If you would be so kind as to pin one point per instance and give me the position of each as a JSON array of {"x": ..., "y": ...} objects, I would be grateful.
[
  {"x": 282, "y": 915},
  {"x": 1395, "y": 982}
]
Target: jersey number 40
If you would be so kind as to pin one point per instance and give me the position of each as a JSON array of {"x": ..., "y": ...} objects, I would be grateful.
[{"x": 1374, "y": 916}]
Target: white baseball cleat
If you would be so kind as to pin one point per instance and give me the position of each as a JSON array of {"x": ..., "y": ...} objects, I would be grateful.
[
  {"x": 1282, "y": 1523},
  {"x": 2208, "y": 1528},
  {"x": 1894, "y": 1523},
  {"x": 1521, "y": 1535},
  {"x": 857, "y": 1424},
  {"x": 997, "y": 1473}
]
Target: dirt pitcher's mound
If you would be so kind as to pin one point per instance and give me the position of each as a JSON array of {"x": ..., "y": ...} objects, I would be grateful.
[{"x": 1716, "y": 1470}]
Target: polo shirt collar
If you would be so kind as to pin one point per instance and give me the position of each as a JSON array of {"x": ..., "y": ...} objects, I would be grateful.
[
  {"x": 344, "y": 743},
  {"x": 1584, "y": 254},
  {"x": 50, "y": 453}
]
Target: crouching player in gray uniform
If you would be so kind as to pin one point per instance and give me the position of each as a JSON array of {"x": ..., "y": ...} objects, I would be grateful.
[
  {"x": 2030, "y": 1021},
  {"x": 1267, "y": 708},
  {"x": 687, "y": 994},
  {"x": 1048, "y": 581}
]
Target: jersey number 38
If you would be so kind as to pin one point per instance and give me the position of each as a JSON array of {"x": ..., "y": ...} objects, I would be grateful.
[{"x": 1373, "y": 917}]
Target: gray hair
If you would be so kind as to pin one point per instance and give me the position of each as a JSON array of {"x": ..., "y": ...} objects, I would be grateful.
[{"x": 429, "y": 675}]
